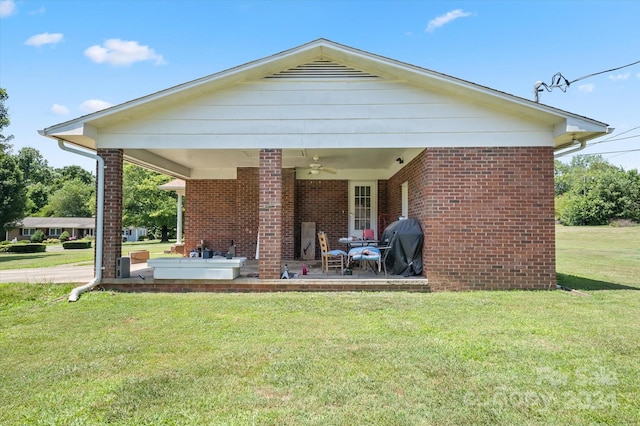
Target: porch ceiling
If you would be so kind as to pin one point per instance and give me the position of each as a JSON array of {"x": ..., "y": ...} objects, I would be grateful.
[{"x": 378, "y": 163}]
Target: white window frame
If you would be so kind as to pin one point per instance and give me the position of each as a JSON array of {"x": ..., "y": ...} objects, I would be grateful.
[
  {"x": 28, "y": 232},
  {"x": 55, "y": 232}
]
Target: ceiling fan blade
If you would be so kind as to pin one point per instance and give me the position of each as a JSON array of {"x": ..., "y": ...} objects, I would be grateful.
[{"x": 333, "y": 172}]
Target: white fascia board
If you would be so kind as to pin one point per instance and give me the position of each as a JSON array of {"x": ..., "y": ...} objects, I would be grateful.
[{"x": 579, "y": 129}]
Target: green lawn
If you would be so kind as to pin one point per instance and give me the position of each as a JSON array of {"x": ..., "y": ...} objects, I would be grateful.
[
  {"x": 547, "y": 357},
  {"x": 56, "y": 255}
]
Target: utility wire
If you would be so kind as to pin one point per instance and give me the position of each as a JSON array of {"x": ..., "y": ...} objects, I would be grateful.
[
  {"x": 560, "y": 82},
  {"x": 617, "y": 138}
]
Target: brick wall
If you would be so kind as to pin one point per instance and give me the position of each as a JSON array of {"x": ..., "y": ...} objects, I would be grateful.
[
  {"x": 246, "y": 235},
  {"x": 112, "y": 229},
  {"x": 210, "y": 207},
  {"x": 288, "y": 213},
  {"x": 325, "y": 202},
  {"x": 270, "y": 213},
  {"x": 487, "y": 215}
]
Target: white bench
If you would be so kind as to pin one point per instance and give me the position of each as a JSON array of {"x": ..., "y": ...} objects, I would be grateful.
[{"x": 186, "y": 268}]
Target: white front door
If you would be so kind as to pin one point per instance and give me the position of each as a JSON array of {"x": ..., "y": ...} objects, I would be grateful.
[{"x": 363, "y": 207}]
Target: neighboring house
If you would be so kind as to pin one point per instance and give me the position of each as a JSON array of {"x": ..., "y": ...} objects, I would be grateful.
[
  {"x": 133, "y": 234},
  {"x": 53, "y": 227},
  {"x": 257, "y": 144}
]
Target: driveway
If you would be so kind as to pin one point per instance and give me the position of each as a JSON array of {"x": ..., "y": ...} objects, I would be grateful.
[{"x": 57, "y": 274}]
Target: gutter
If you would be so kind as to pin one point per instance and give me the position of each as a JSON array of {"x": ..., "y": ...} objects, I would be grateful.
[
  {"x": 76, "y": 292},
  {"x": 581, "y": 145}
]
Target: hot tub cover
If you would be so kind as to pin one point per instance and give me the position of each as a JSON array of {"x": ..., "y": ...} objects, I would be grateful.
[{"x": 405, "y": 255}]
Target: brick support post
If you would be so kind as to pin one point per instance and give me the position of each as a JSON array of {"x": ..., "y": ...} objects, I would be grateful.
[
  {"x": 270, "y": 215},
  {"x": 112, "y": 229}
]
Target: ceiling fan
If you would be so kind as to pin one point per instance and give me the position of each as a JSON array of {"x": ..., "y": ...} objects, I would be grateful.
[{"x": 315, "y": 168}]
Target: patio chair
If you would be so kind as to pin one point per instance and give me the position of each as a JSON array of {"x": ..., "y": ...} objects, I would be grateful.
[
  {"x": 366, "y": 255},
  {"x": 385, "y": 251},
  {"x": 330, "y": 258}
]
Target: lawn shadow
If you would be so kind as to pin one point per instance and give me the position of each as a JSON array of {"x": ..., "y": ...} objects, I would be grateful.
[
  {"x": 19, "y": 257},
  {"x": 586, "y": 284}
]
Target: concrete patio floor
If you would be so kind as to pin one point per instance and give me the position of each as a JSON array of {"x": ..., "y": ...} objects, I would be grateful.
[{"x": 141, "y": 279}]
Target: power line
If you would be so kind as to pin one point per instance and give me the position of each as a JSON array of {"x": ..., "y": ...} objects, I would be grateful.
[
  {"x": 612, "y": 152},
  {"x": 560, "y": 82},
  {"x": 616, "y": 137}
]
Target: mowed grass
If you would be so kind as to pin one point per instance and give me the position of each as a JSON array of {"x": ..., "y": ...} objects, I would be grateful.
[
  {"x": 548, "y": 357},
  {"x": 598, "y": 257},
  {"x": 56, "y": 255}
]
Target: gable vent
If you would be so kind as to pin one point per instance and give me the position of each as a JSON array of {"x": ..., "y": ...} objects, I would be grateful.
[{"x": 322, "y": 69}]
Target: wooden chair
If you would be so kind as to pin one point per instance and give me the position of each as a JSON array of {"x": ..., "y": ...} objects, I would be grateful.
[{"x": 330, "y": 258}]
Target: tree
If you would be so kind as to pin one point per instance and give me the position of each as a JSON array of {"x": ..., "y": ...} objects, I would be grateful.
[
  {"x": 591, "y": 191},
  {"x": 144, "y": 204},
  {"x": 13, "y": 198},
  {"x": 35, "y": 168},
  {"x": 73, "y": 199},
  {"x": 76, "y": 173}
]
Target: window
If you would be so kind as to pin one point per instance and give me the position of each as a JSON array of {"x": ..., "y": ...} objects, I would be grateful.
[
  {"x": 55, "y": 232},
  {"x": 27, "y": 232}
]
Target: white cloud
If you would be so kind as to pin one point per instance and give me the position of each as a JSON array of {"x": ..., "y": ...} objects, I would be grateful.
[
  {"x": 587, "y": 88},
  {"x": 121, "y": 52},
  {"x": 45, "y": 38},
  {"x": 7, "y": 8},
  {"x": 445, "y": 19},
  {"x": 93, "y": 105},
  {"x": 624, "y": 76},
  {"x": 40, "y": 11},
  {"x": 58, "y": 109}
]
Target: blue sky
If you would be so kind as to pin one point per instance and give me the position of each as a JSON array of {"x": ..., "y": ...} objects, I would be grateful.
[{"x": 63, "y": 59}]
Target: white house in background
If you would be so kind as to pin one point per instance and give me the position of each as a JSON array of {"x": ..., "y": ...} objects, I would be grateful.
[
  {"x": 132, "y": 234},
  {"x": 52, "y": 227}
]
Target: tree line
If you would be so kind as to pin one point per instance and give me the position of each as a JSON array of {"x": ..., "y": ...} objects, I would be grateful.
[
  {"x": 591, "y": 191},
  {"x": 30, "y": 187}
]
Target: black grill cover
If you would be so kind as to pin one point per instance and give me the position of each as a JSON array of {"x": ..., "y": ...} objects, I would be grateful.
[{"x": 405, "y": 255}]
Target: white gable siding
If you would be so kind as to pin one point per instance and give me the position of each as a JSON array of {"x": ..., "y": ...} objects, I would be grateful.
[{"x": 339, "y": 113}]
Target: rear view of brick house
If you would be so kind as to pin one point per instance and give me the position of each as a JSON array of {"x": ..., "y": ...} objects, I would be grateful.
[{"x": 329, "y": 134}]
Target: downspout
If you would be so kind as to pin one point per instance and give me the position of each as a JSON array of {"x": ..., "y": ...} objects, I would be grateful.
[{"x": 76, "y": 292}]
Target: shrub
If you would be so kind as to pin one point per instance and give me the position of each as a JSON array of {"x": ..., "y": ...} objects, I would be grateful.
[
  {"x": 4, "y": 243},
  {"x": 25, "y": 248},
  {"x": 38, "y": 237},
  {"x": 51, "y": 241},
  {"x": 64, "y": 236},
  {"x": 71, "y": 245},
  {"x": 142, "y": 238}
]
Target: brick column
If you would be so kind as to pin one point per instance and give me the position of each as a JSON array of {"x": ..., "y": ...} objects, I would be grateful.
[
  {"x": 112, "y": 229},
  {"x": 270, "y": 216}
]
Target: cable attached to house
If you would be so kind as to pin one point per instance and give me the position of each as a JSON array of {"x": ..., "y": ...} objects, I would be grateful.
[{"x": 558, "y": 81}]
